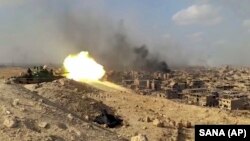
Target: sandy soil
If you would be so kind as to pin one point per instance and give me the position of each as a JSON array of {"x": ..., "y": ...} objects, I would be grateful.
[
  {"x": 36, "y": 117},
  {"x": 10, "y": 71},
  {"x": 133, "y": 108},
  {"x": 63, "y": 110}
]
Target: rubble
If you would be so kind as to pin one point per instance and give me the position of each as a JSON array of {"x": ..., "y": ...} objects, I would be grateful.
[
  {"x": 61, "y": 126},
  {"x": 147, "y": 119},
  {"x": 10, "y": 122},
  {"x": 70, "y": 116},
  {"x": 7, "y": 81},
  {"x": 76, "y": 131},
  {"x": 61, "y": 82},
  {"x": 139, "y": 137},
  {"x": 31, "y": 124},
  {"x": 15, "y": 102},
  {"x": 87, "y": 117},
  {"x": 125, "y": 124},
  {"x": 189, "y": 124},
  {"x": 157, "y": 123},
  {"x": 43, "y": 124},
  {"x": 180, "y": 125}
]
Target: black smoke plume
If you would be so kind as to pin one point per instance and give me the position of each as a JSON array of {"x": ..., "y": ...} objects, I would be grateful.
[
  {"x": 109, "y": 44},
  {"x": 149, "y": 64}
]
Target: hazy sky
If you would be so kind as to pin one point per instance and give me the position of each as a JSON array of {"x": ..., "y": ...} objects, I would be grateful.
[{"x": 203, "y": 32}]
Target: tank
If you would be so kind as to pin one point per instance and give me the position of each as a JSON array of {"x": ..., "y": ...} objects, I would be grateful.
[{"x": 37, "y": 75}]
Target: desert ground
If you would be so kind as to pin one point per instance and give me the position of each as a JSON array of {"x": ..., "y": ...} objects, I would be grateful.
[{"x": 63, "y": 110}]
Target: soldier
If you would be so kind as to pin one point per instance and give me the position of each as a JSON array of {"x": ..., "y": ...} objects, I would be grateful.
[
  {"x": 45, "y": 69},
  {"x": 51, "y": 71},
  {"x": 40, "y": 68},
  {"x": 29, "y": 72},
  {"x": 35, "y": 70}
]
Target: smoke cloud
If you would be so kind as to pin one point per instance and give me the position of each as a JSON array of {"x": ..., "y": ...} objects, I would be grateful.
[
  {"x": 53, "y": 30},
  {"x": 109, "y": 44}
]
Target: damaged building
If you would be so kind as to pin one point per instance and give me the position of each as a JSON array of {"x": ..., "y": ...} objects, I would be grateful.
[
  {"x": 168, "y": 94},
  {"x": 234, "y": 102},
  {"x": 199, "y": 86},
  {"x": 199, "y": 96},
  {"x": 195, "y": 84},
  {"x": 147, "y": 84},
  {"x": 202, "y": 99}
]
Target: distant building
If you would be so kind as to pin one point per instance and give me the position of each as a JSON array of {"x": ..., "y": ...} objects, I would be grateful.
[
  {"x": 202, "y": 99},
  {"x": 169, "y": 94},
  {"x": 196, "y": 90},
  {"x": 127, "y": 82},
  {"x": 178, "y": 86},
  {"x": 154, "y": 84},
  {"x": 196, "y": 84},
  {"x": 233, "y": 101},
  {"x": 140, "y": 84},
  {"x": 225, "y": 87},
  {"x": 208, "y": 100},
  {"x": 232, "y": 104}
]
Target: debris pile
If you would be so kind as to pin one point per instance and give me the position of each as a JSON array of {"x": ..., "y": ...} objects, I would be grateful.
[{"x": 74, "y": 101}]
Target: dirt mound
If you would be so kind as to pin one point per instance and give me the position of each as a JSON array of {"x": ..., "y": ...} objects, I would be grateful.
[
  {"x": 26, "y": 116},
  {"x": 72, "y": 96}
]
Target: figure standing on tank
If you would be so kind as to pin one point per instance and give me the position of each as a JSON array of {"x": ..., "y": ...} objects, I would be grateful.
[{"x": 29, "y": 72}]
